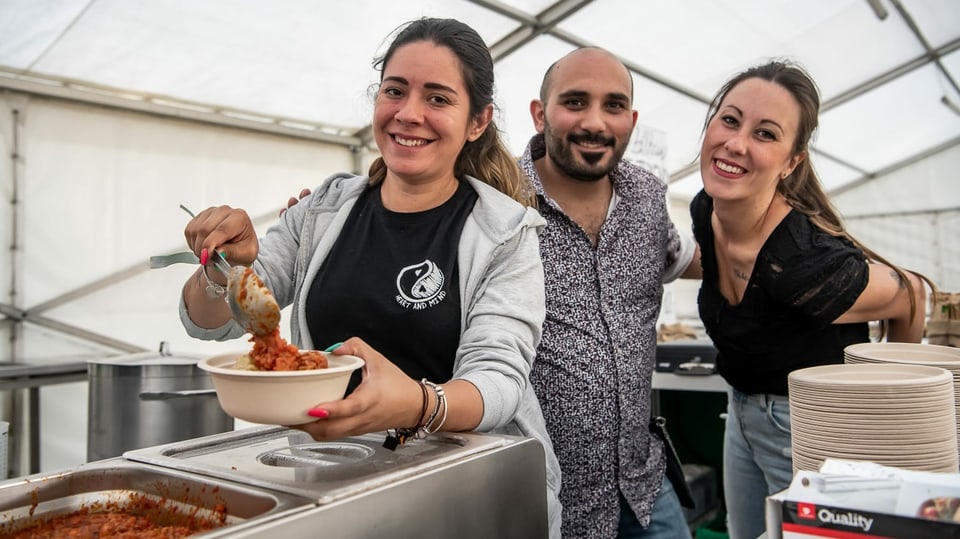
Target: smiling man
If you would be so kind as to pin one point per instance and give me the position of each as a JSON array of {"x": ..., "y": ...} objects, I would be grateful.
[{"x": 607, "y": 250}]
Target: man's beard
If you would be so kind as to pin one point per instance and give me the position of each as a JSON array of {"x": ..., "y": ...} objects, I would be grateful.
[{"x": 560, "y": 151}]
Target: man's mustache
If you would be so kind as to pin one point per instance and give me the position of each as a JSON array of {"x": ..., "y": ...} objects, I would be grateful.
[{"x": 590, "y": 139}]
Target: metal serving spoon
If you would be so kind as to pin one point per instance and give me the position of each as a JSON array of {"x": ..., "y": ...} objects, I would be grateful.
[{"x": 251, "y": 302}]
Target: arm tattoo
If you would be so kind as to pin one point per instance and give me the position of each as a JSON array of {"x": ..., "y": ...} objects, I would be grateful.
[{"x": 896, "y": 277}]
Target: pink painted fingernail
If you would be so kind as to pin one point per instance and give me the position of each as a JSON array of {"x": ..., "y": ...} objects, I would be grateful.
[
  {"x": 318, "y": 413},
  {"x": 204, "y": 256}
]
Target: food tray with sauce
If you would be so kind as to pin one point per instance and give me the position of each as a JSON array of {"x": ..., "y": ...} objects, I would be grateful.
[{"x": 165, "y": 497}]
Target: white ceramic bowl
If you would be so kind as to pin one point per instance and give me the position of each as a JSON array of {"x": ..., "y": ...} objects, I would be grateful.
[{"x": 277, "y": 397}]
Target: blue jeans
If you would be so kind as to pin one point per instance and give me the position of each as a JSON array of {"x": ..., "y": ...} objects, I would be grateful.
[
  {"x": 757, "y": 459},
  {"x": 667, "y": 521}
]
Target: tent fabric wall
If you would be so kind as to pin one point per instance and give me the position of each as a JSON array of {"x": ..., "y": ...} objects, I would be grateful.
[
  {"x": 98, "y": 192},
  {"x": 924, "y": 242},
  {"x": 921, "y": 186},
  {"x": 911, "y": 216}
]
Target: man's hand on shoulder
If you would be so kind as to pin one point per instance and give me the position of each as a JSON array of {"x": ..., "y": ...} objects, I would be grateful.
[{"x": 292, "y": 201}]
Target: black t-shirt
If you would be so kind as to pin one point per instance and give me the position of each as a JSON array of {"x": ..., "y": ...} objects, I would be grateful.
[
  {"x": 392, "y": 280},
  {"x": 803, "y": 279}
]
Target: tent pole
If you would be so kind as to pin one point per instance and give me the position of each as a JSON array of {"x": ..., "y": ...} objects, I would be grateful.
[
  {"x": 13, "y": 292},
  {"x": 15, "y": 402}
]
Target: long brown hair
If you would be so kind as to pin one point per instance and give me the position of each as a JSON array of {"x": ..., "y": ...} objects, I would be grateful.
[
  {"x": 486, "y": 158},
  {"x": 802, "y": 188}
]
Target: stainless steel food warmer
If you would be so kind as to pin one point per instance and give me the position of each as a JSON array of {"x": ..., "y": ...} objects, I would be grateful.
[{"x": 279, "y": 480}]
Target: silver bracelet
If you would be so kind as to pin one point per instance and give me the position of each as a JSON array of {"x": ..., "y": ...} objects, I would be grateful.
[
  {"x": 214, "y": 289},
  {"x": 441, "y": 403},
  {"x": 398, "y": 437},
  {"x": 443, "y": 418}
]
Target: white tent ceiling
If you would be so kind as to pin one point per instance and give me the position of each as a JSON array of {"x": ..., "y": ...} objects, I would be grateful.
[
  {"x": 885, "y": 82},
  {"x": 112, "y": 112}
]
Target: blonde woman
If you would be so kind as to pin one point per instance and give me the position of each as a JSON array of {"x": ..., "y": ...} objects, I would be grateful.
[{"x": 785, "y": 286}]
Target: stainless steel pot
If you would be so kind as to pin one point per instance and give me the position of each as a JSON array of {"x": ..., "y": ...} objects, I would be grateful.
[{"x": 147, "y": 399}]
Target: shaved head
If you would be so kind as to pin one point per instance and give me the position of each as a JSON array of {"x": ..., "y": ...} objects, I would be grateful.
[{"x": 574, "y": 57}]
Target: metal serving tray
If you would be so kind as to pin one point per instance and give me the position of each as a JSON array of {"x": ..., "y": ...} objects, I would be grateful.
[
  {"x": 290, "y": 461},
  {"x": 113, "y": 482}
]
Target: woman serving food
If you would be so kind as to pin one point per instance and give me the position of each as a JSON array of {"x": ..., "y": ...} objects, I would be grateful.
[{"x": 428, "y": 268}]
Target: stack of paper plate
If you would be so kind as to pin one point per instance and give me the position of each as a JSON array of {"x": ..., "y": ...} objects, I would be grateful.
[
  {"x": 892, "y": 414},
  {"x": 931, "y": 355}
]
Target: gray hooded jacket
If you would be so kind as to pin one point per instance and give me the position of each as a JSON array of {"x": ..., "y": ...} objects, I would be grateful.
[{"x": 501, "y": 290}]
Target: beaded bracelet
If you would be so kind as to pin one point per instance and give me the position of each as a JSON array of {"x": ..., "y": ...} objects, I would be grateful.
[{"x": 399, "y": 436}]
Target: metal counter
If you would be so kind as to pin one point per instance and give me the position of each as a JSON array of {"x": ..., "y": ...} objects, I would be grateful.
[{"x": 279, "y": 481}]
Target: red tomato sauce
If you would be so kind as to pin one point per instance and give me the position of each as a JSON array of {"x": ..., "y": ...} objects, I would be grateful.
[{"x": 272, "y": 353}]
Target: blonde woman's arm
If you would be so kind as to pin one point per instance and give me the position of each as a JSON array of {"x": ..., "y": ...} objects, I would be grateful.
[{"x": 887, "y": 297}]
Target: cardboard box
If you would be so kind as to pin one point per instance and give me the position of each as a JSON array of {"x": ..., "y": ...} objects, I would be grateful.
[
  {"x": 788, "y": 519},
  {"x": 866, "y": 501}
]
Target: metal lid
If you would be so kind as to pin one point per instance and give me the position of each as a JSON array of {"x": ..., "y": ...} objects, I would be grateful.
[
  {"x": 161, "y": 357},
  {"x": 290, "y": 461}
]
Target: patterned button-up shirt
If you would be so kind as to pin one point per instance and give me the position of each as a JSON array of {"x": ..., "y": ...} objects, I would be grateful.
[{"x": 595, "y": 361}]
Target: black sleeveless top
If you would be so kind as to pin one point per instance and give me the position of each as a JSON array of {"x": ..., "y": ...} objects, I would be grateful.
[{"x": 802, "y": 281}]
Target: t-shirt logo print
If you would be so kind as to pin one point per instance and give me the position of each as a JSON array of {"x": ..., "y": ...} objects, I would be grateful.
[{"x": 420, "y": 285}]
